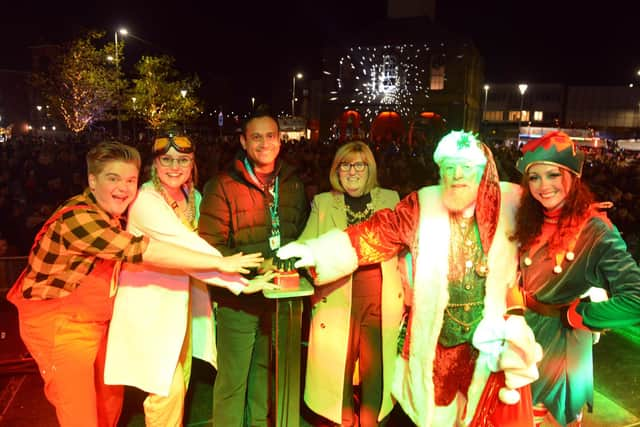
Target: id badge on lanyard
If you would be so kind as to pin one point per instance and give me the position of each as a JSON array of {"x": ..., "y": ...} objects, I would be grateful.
[
  {"x": 274, "y": 242},
  {"x": 274, "y": 238}
]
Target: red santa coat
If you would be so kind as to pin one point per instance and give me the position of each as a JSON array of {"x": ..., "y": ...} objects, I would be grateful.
[{"x": 420, "y": 222}]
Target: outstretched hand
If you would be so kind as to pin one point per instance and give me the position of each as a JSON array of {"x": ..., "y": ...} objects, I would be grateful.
[
  {"x": 297, "y": 250},
  {"x": 240, "y": 263},
  {"x": 266, "y": 266},
  {"x": 223, "y": 280},
  {"x": 260, "y": 283}
]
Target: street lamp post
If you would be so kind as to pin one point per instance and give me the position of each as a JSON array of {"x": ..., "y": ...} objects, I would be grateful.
[
  {"x": 39, "y": 124},
  {"x": 253, "y": 103},
  {"x": 133, "y": 119},
  {"x": 183, "y": 93},
  {"x": 293, "y": 93},
  {"x": 486, "y": 95},
  {"x": 523, "y": 88},
  {"x": 638, "y": 128},
  {"x": 116, "y": 58}
]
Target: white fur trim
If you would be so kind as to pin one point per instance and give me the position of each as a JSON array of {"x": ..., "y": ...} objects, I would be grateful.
[
  {"x": 334, "y": 256},
  {"x": 596, "y": 294},
  {"x": 521, "y": 353},
  {"x": 509, "y": 396},
  {"x": 413, "y": 384},
  {"x": 489, "y": 340},
  {"x": 449, "y": 147}
]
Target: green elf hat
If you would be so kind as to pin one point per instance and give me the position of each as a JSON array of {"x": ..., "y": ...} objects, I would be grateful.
[{"x": 553, "y": 148}]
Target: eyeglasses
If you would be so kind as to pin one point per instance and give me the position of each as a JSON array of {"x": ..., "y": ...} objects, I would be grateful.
[
  {"x": 357, "y": 166},
  {"x": 182, "y": 144},
  {"x": 168, "y": 161}
]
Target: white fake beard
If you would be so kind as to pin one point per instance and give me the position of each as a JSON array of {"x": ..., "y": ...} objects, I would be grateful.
[{"x": 458, "y": 199}]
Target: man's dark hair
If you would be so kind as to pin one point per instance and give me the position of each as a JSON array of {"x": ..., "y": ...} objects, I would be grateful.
[{"x": 262, "y": 110}]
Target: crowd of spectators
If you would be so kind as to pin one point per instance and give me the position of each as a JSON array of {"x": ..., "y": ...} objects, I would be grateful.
[{"x": 37, "y": 175}]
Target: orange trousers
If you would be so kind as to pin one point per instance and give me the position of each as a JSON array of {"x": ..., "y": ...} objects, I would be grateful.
[{"x": 67, "y": 338}]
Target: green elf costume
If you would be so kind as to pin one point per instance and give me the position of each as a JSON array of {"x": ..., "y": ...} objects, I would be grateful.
[{"x": 578, "y": 279}]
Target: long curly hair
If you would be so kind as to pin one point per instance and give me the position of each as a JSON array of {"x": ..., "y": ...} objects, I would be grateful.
[{"x": 530, "y": 215}]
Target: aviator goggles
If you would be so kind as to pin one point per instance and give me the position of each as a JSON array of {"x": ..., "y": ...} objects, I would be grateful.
[{"x": 182, "y": 144}]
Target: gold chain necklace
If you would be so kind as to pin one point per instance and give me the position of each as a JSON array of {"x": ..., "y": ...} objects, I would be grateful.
[
  {"x": 465, "y": 325},
  {"x": 186, "y": 214},
  {"x": 466, "y": 259},
  {"x": 358, "y": 216},
  {"x": 462, "y": 248}
]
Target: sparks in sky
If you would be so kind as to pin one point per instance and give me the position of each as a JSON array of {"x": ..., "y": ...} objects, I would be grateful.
[{"x": 382, "y": 78}]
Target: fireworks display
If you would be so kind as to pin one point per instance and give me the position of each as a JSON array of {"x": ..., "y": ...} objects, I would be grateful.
[{"x": 381, "y": 78}]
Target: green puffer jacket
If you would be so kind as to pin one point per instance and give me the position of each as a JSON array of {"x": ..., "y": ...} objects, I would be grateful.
[{"x": 234, "y": 213}]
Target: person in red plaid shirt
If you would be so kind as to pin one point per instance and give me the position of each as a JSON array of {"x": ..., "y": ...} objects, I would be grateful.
[{"x": 65, "y": 295}]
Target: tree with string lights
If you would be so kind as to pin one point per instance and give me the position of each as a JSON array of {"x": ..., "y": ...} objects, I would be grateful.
[
  {"x": 163, "y": 100},
  {"x": 81, "y": 85}
]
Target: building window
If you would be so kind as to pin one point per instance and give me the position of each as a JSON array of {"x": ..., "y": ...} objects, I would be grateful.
[
  {"x": 437, "y": 72},
  {"x": 537, "y": 116},
  {"x": 518, "y": 116},
  {"x": 437, "y": 77},
  {"x": 493, "y": 116}
]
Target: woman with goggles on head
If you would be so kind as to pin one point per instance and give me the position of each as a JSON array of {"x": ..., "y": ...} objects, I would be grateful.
[{"x": 161, "y": 318}]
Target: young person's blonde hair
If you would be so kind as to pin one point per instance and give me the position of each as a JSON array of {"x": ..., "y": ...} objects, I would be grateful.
[
  {"x": 342, "y": 153},
  {"x": 107, "y": 152}
]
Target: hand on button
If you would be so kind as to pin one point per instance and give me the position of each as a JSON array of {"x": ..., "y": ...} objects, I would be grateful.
[{"x": 297, "y": 250}]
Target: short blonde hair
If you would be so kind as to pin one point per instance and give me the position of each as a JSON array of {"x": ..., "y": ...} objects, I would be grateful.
[
  {"x": 107, "y": 152},
  {"x": 342, "y": 153}
]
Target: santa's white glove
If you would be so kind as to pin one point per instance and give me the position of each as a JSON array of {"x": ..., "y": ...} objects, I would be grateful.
[
  {"x": 489, "y": 340},
  {"x": 297, "y": 250},
  {"x": 596, "y": 295},
  {"x": 518, "y": 359},
  {"x": 510, "y": 346}
]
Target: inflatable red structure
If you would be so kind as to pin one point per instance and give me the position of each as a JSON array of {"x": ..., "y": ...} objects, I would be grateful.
[
  {"x": 426, "y": 129},
  {"x": 349, "y": 126},
  {"x": 388, "y": 126}
]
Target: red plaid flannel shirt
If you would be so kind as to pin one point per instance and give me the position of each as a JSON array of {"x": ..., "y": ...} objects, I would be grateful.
[{"x": 73, "y": 244}]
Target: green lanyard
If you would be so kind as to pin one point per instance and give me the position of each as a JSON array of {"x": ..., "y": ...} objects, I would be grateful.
[{"x": 274, "y": 239}]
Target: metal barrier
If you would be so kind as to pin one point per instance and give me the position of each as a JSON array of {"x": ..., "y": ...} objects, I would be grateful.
[
  {"x": 10, "y": 269},
  {"x": 14, "y": 358}
]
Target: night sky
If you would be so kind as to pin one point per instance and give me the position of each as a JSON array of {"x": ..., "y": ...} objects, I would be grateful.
[{"x": 253, "y": 50}]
